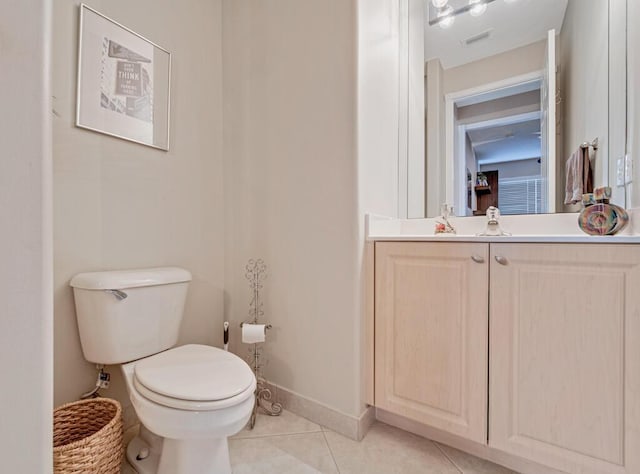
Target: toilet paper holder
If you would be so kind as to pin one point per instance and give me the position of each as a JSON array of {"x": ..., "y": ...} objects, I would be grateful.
[
  {"x": 256, "y": 273},
  {"x": 267, "y": 326}
]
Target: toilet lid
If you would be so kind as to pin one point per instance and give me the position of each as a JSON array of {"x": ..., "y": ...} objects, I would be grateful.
[{"x": 195, "y": 372}]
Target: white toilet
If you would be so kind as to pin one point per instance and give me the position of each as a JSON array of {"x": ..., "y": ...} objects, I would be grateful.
[{"x": 189, "y": 399}]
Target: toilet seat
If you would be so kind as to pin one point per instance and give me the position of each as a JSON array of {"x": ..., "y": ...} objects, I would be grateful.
[
  {"x": 194, "y": 377},
  {"x": 192, "y": 405}
]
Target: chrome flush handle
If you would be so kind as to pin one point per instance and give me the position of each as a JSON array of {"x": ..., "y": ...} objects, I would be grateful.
[
  {"x": 477, "y": 258},
  {"x": 502, "y": 260},
  {"x": 119, "y": 294}
]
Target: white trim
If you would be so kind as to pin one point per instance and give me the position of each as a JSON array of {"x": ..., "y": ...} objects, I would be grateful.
[
  {"x": 494, "y": 86},
  {"x": 354, "y": 427},
  {"x": 493, "y": 161},
  {"x": 551, "y": 131},
  {"x": 403, "y": 109},
  {"x": 459, "y": 169},
  {"x": 506, "y": 120},
  {"x": 448, "y": 157},
  {"x": 411, "y": 113},
  {"x": 26, "y": 250},
  {"x": 416, "y": 164}
]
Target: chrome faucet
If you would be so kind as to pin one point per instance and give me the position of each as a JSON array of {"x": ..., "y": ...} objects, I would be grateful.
[{"x": 493, "y": 225}]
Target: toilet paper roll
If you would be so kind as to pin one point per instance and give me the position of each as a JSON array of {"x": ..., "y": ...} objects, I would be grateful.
[{"x": 253, "y": 333}]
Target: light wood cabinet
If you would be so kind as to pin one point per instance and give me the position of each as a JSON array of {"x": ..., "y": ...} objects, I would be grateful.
[
  {"x": 565, "y": 355},
  {"x": 532, "y": 350},
  {"x": 431, "y": 338}
]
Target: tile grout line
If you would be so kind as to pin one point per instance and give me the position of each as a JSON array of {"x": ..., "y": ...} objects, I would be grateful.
[
  {"x": 326, "y": 441},
  {"x": 276, "y": 434},
  {"x": 447, "y": 456}
]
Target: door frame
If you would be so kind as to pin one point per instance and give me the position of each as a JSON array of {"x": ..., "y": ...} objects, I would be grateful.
[{"x": 455, "y": 188}]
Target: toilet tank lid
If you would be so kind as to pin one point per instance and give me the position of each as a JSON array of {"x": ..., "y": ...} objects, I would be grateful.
[{"x": 121, "y": 279}]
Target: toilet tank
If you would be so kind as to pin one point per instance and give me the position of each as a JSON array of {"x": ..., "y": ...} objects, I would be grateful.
[{"x": 129, "y": 314}]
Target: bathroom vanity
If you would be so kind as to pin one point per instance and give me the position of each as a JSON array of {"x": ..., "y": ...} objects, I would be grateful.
[{"x": 520, "y": 349}]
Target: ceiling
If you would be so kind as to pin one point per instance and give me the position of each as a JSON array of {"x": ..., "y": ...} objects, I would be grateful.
[
  {"x": 512, "y": 25},
  {"x": 506, "y": 142}
]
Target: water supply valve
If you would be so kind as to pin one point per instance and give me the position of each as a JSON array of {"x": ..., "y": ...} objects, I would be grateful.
[{"x": 104, "y": 379}]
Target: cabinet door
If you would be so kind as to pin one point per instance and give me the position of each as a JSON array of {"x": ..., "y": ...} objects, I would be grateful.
[
  {"x": 431, "y": 334},
  {"x": 565, "y": 355}
]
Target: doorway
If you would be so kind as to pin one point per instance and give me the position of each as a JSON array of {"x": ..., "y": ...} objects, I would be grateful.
[{"x": 495, "y": 135}]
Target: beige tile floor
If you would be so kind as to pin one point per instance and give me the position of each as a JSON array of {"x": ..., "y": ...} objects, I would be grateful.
[{"x": 292, "y": 444}]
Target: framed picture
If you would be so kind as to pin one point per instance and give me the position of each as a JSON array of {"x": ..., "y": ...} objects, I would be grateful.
[{"x": 123, "y": 82}]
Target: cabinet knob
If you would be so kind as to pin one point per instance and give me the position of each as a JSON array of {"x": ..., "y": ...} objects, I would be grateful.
[
  {"x": 501, "y": 260},
  {"x": 477, "y": 258}
]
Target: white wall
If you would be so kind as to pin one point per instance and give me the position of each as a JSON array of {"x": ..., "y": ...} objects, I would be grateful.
[
  {"x": 296, "y": 187},
  {"x": 25, "y": 238},
  {"x": 517, "y": 62},
  {"x": 633, "y": 125},
  {"x": 123, "y": 205},
  {"x": 434, "y": 137},
  {"x": 499, "y": 108},
  {"x": 584, "y": 84},
  {"x": 472, "y": 166},
  {"x": 514, "y": 169},
  {"x": 378, "y": 107},
  {"x": 378, "y": 140},
  {"x": 618, "y": 23},
  {"x": 291, "y": 184},
  {"x": 416, "y": 166}
]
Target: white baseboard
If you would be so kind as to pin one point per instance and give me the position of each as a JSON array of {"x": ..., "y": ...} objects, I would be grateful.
[
  {"x": 350, "y": 426},
  {"x": 365, "y": 421}
]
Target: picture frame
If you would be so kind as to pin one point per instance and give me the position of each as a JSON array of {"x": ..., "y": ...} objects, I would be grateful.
[{"x": 124, "y": 82}]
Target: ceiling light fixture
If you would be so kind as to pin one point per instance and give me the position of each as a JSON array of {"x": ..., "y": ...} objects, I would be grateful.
[
  {"x": 478, "y": 7},
  {"x": 445, "y": 17},
  {"x": 445, "y": 14}
]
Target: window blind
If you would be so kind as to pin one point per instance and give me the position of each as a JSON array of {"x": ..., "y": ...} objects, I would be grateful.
[{"x": 521, "y": 195}]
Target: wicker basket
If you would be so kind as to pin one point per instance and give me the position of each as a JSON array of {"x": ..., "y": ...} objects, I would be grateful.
[{"x": 87, "y": 437}]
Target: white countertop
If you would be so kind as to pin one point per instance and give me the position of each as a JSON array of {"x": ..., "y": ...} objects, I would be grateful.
[
  {"x": 541, "y": 228},
  {"x": 566, "y": 239}
]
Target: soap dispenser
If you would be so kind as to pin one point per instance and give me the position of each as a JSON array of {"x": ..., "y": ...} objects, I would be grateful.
[{"x": 443, "y": 226}]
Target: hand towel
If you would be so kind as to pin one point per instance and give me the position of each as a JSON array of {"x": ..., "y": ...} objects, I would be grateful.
[{"x": 579, "y": 177}]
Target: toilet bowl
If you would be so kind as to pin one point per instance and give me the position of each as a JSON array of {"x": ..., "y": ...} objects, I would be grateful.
[
  {"x": 189, "y": 398},
  {"x": 194, "y": 397}
]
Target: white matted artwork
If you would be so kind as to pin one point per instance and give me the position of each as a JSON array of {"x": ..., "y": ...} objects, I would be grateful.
[{"x": 123, "y": 82}]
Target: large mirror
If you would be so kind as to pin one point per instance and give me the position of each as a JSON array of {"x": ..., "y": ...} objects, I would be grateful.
[{"x": 514, "y": 89}]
